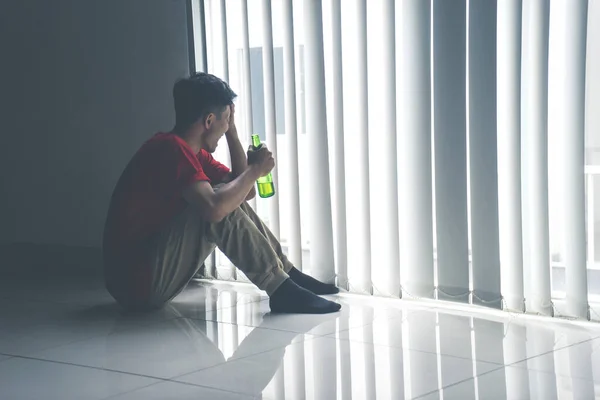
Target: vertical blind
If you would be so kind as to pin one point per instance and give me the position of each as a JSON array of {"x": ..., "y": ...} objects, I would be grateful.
[{"x": 412, "y": 141}]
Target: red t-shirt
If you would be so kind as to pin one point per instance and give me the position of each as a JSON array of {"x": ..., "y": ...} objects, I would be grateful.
[{"x": 148, "y": 196}]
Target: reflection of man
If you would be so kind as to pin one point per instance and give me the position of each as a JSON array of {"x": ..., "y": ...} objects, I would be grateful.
[
  {"x": 235, "y": 372},
  {"x": 166, "y": 216},
  {"x": 196, "y": 358}
]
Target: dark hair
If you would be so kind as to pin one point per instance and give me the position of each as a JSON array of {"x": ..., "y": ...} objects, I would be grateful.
[{"x": 199, "y": 95}]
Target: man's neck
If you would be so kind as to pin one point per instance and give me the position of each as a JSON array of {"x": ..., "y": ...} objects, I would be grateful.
[{"x": 191, "y": 139}]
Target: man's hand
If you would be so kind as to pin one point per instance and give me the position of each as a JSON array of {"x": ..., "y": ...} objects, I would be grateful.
[
  {"x": 261, "y": 159},
  {"x": 232, "y": 127}
]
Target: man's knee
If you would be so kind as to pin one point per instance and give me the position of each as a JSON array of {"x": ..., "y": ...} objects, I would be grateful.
[
  {"x": 233, "y": 217},
  {"x": 247, "y": 209}
]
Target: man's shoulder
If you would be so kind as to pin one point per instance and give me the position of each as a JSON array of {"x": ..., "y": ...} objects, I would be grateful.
[
  {"x": 161, "y": 140},
  {"x": 165, "y": 143}
]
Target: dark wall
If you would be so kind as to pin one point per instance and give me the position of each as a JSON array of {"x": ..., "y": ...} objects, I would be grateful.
[{"x": 82, "y": 84}]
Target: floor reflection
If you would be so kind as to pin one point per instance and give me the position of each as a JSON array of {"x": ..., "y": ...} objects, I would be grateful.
[
  {"x": 220, "y": 341},
  {"x": 406, "y": 353}
]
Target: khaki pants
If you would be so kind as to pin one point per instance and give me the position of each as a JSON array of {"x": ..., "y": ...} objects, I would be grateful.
[
  {"x": 189, "y": 240},
  {"x": 242, "y": 236}
]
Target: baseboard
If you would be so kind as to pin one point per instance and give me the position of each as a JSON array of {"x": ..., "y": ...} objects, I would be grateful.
[{"x": 43, "y": 259}]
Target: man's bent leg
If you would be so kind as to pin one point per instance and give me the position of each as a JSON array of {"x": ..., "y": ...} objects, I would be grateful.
[
  {"x": 266, "y": 232},
  {"x": 179, "y": 252},
  {"x": 249, "y": 250},
  {"x": 306, "y": 281},
  {"x": 246, "y": 246}
]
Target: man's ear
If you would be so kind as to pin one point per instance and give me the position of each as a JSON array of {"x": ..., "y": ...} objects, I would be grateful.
[{"x": 208, "y": 121}]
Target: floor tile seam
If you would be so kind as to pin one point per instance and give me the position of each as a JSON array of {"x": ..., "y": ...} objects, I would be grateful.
[
  {"x": 262, "y": 327},
  {"x": 160, "y": 379},
  {"x": 212, "y": 387},
  {"x": 332, "y": 335},
  {"x": 96, "y": 336},
  {"x": 90, "y": 367},
  {"x": 420, "y": 351},
  {"x": 459, "y": 382},
  {"x": 577, "y": 343},
  {"x": 513, "y": 364},
  {"x": 170, "y": 381},
  {"x": 174, "y": 379},
  {"x": 147, "y": 324},
  {"x": 132, "y": 390},
  {"x": 329, "y": 336}
]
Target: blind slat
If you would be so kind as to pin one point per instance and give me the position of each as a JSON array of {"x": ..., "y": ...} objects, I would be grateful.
[
  {"x": 224, "y": 42},
  {"x": 483, "y": 154},
  {"x": 509, "y": 152},
  {"x": 362, "y": 275},
  {"x": 339, "y": 171},
  {"x": 270, "y": 122},
  {"x": 414, "y": 151},
  {"x": 384, "y": 200},
  {"x": 320, "y": 218},
  {"x": 572, "y": 139},
  {"x": 450, "y": 148},
  {"x": 247, "y": 79},
  {"x": 534, "y": 130},
  {"x": 291, "y": 131}
]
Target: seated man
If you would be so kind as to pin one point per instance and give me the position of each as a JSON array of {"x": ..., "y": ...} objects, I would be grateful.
[{"x": 174, "y": 203}]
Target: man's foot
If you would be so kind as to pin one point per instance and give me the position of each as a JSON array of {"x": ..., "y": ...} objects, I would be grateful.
[
  {"x": 291, "y": 298},
  {"x": 310, "y": 283}
]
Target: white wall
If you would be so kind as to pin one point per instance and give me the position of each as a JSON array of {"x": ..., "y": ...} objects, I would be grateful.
[{"x": 83, "y": 84}]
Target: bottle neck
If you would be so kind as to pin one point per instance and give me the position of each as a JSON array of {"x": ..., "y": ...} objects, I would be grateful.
[{"x": 256, "y": 144}]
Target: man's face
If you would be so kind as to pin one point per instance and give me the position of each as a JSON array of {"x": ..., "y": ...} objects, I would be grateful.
[{"x": 215, "y": 129}]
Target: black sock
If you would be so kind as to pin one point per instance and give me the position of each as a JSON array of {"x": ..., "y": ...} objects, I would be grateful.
[
  {"x": 310, "y": 283},
  {"x": 291, "y": 298}
]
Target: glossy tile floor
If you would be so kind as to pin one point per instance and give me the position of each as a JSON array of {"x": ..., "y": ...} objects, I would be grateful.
[{"x": 66, "y": 339}]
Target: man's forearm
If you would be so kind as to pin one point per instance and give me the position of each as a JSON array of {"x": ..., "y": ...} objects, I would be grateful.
[
  {"x": 239, "y": 162},
  {"x": 231, "y": 195}
]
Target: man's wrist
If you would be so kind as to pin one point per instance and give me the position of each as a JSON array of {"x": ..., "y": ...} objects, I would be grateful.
[
  {"x": 253, "y": 170},
  {"x": 232, "y": 132}
]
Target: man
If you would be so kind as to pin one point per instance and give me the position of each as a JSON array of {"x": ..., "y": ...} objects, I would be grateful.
[{"x": 174, "y": 203}]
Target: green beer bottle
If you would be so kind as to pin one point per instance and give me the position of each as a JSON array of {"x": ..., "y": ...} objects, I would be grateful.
[{"x": 265, "y": 185}]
